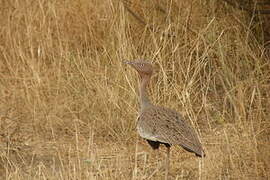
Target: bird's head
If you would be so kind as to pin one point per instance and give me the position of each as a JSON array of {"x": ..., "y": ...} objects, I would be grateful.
[{"x": 142, "y": 67}]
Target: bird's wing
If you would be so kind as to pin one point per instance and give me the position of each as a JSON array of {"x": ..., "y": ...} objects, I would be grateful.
[
  {"x": 152, "y": 125},
  {"x": 166, "y": 125},
  {"x": 147, "y": 128}
]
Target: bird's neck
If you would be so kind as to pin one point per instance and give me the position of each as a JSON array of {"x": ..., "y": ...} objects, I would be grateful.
[{"x": 144, "y": 100}]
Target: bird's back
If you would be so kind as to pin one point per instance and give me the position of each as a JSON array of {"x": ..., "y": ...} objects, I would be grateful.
[{"x": 164, "y": 125}]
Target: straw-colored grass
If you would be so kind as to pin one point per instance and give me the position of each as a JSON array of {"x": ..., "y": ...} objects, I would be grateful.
[{"x": 68, "y": 104}]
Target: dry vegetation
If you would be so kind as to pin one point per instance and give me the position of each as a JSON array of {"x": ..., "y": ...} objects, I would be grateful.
[{"x": 68, "y": 105}]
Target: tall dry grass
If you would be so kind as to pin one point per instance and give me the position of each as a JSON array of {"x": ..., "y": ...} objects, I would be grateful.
[{"x": 68, "y": 104}]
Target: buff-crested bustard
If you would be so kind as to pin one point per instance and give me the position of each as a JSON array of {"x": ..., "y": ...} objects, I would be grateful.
[{"x": 159, "y": 125}]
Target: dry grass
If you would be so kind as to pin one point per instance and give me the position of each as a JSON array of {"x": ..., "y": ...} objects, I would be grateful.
[{"x": 68, "y": 105}]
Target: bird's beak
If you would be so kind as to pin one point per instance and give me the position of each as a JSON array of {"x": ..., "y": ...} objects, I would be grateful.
[{"x": 127, "y": 62}]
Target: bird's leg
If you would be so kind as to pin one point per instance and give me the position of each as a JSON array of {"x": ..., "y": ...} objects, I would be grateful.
[{"x": 167, "y": 162}]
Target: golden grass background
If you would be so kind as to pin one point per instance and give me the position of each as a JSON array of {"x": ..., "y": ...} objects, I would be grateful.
[{"x": 68, "y": 105}]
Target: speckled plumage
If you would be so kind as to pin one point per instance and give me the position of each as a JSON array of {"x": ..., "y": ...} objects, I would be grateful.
[{"x": 167, "y": 126}]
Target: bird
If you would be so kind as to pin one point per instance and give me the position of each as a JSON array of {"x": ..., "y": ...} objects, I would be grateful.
[{"x": 161, "y": 125}]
